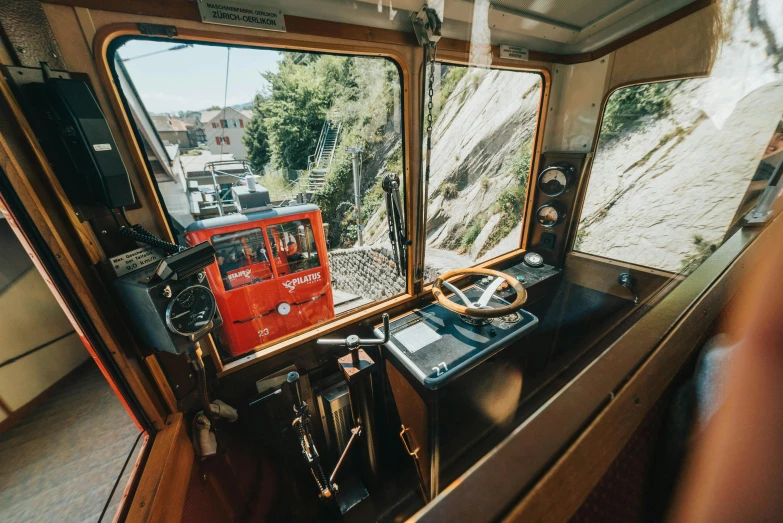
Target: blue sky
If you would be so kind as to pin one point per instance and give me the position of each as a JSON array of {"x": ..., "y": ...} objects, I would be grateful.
[{"x": 194, "y": 78}]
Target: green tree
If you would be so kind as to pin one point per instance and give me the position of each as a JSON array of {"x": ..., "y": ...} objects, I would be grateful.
[
  {"x": 256, "y": 139},
  {"x": 301, "y": 93}
]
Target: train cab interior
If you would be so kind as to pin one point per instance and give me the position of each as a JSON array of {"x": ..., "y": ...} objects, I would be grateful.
[{"x": 364, "y": 260}]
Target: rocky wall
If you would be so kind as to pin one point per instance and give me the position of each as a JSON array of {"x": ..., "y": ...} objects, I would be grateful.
[{"x": 368, "y": 272}]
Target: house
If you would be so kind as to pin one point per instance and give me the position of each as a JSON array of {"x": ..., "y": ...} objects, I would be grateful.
[
  {"x": 225, "y": 129},
  {"x": 196, "y": 133},
  {"x": 172, "y": 131}
]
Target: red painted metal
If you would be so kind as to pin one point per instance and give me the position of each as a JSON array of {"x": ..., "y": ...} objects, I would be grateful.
[{"x": 261, "y": 286}]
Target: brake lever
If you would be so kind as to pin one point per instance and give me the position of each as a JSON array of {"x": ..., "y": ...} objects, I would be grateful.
[{"x": 354, "y": 342}]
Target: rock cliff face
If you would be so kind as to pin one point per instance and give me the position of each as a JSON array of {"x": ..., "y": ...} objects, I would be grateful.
[
  {"x": 663, "y": 194},
  {"x": 486, "y": 120},
  {"x": 484, "y": 124},
  {"x": 658, "y": 196}
]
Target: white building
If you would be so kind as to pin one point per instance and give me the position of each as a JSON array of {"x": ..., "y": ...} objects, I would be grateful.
[{"x": 225, "y": 129}]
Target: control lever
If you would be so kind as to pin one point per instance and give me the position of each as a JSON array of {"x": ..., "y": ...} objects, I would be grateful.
[
  {"x": 629, "y": 282},
  {"x": 302, "y": 425},
  {"x": 357, "y": 369},
  {"x": 354, "y": 342}
]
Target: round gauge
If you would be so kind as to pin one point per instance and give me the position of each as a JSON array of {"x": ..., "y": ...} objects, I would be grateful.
[
  {"x": 554, "y": 180},
  {"x": 283, "y": 309},
  {"x": 533, "y": 259},
  {"x": 550, "y": 214},
  {"x": 190, "y": 311}
]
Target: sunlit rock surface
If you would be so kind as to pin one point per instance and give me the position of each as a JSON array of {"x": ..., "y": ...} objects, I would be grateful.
[{"x": 661, "y": 195}]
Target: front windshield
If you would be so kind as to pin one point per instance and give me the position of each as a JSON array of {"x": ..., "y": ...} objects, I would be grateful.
[
  {"x": 483, "y": 136},
  {"x": 277, "y": 158}
]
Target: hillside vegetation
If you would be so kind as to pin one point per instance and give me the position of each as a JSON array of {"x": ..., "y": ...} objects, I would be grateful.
[{"x": 356, "y": 91}]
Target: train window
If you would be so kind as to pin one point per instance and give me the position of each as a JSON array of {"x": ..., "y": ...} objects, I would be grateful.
[
  {"x": 242, "y": 258},
  {"x": 277, "y": 157},
  {"x": 672, "y": 164},
  {"x": 483, "y": 135},
  {"x": 293, "y": 247}
]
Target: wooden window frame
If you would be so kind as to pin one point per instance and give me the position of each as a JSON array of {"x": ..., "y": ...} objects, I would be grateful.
[{"x": 350, "y": 40}]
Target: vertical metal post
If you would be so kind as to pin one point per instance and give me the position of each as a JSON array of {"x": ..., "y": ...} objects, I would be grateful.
[
  {"x": 216, "y": 185},
  {"x": 357, "y": 186}
]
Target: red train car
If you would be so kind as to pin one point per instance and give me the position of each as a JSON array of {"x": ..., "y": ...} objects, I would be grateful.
[{"x": 272, "y": 275}]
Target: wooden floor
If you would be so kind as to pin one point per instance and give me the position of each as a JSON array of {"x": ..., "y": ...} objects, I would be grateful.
[{"x": 61, "y": 461}]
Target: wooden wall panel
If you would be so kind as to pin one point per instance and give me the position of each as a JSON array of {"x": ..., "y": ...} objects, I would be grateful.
[
  {"x": 684, "y": 48},
  {"x": 23, "y": 380},
  {"x": 160, "y": 496},
  {"x": 30, "y": 316}
]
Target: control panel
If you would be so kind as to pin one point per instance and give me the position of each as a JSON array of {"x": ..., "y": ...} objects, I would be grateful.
[{"x": 437, "y": 345}]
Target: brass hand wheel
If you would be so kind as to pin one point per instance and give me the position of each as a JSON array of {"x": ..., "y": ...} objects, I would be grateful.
[{"x": 479, "y": 309}]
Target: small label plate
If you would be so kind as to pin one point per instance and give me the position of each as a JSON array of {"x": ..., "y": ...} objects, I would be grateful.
[
  {"x": 513, "y": 52},
  {"x": 134, "y": 260},
  {"x": 417, "y": 336},
  {"x": 241, "y": 14}
]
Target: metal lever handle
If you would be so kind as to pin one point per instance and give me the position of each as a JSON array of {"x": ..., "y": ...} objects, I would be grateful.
[
  {"x": 629, "y": 282},
  {"x": 354, "y": 341},
  {"x": 293, "y": 380}
]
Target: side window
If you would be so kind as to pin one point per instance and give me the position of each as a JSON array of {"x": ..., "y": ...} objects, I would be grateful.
[
  {"x": 483, "y": 136},
  {"x": 670, "y": 172},
  {"x": 293, "y": 247},
  {"x": 242, "y": 258}
]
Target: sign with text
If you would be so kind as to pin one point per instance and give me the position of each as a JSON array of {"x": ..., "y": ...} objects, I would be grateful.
[
  {"x": 241, "y": 15},
  {"x": 513, "y": 52},
  {"x": 134, "y": 260}
]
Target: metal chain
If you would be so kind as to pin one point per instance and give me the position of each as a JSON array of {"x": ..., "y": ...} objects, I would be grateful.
[{"x": 431, "y": 50}]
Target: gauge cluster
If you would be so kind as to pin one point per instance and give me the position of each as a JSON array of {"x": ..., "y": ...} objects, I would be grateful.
[
  {"x": 553, "y": 204},
  {"x": 554, "y": 181}
]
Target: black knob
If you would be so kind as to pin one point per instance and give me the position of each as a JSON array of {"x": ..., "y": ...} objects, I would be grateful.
[{"x": 293, "y": 382}]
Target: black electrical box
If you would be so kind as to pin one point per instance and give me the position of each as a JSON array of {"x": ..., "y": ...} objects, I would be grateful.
[
  {"x": 73, "y": 133},
  {"x": 170, "y": 305},
  {"x": 96, "y": 173}
]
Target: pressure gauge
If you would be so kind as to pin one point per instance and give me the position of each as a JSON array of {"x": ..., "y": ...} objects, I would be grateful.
[
  {"x": 191, "y": 311},
  {"x": 555, "y": 179},
  {"x": 550, "y": 214}
]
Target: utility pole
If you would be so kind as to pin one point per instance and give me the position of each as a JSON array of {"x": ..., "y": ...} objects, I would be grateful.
[{"x": 357, "y": 185}]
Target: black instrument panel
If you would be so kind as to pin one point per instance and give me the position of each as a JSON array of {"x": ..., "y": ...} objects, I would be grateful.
[{"x": 437, "y": 346}]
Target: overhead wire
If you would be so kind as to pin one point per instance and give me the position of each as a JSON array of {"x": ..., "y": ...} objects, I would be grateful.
[{"x": 223, "y": 121}]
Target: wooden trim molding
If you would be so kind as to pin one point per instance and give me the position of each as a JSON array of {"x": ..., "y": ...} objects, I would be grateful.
[
  {"x": 36, "y": 187},
  {"x": 186, "y": 10},
  {"x": 160, "y": 495}
]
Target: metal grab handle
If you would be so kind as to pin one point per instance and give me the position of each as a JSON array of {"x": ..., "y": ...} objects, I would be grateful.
[
  {"x": 354, "y": 341},
  {"x": 404, "y": 438},
  {"x": 416, "y": 463}
]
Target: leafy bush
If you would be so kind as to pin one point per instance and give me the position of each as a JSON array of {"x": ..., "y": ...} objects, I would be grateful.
[
  {"x": 628, "y": 108},
  {"x": 449, "y": 190},
  {"x": 449, "y": 80},
  {"x": 510, "y": 204},
  {"x": 474, "y": 228},
  {"x": 520, "y": 163}
]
